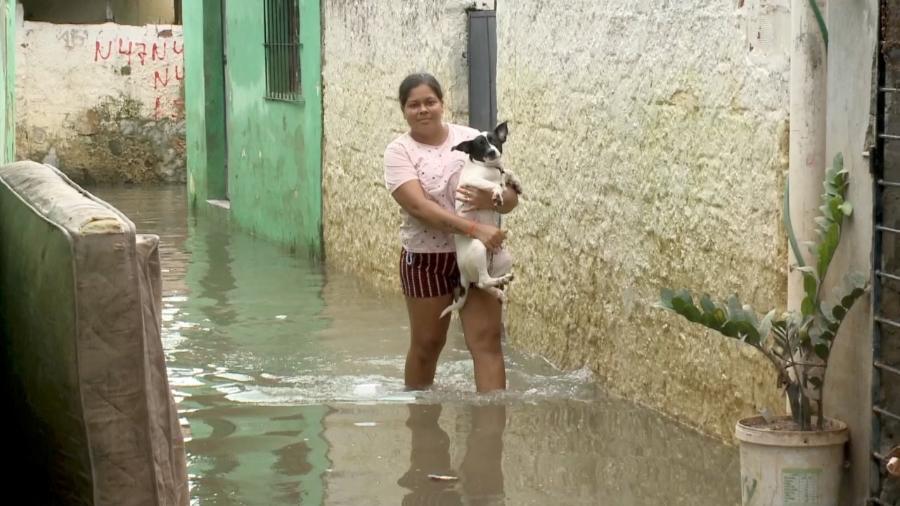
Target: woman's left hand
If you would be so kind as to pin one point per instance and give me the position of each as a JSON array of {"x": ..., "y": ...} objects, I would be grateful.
[{"x": 474, "y": 198}]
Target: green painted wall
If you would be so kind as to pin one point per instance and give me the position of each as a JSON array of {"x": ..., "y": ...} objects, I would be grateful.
[
  {"x": 274, "y": 148},
  {"x": 7, "y": 80},
  {"x": 204, "y": 101}
]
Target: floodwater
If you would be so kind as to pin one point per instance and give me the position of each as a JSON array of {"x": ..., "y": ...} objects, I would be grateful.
[{"x": 288, "y": 379}]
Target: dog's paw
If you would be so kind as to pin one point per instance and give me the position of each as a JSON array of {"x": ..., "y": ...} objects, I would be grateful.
[
  {"x": 505, "y": 280},
  {"x": 516, "y": 186},
  {"x": 514, "y": 183},
  {"x": 497, "y": 197}
]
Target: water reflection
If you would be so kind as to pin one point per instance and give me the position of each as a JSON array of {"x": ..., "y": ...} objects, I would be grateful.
[
  {"x": 257, "y": 455},
  {"x": 480, "y": 474},
  {"x": 289, "y": 382},
  {"x": 482, "y": 470},
  {"x": 429, "y": 454},
  {"x": 520, "y": 453},
  {"x": 210, "y": 249}
]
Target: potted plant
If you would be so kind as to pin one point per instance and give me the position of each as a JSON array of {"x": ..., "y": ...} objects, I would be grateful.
[{"x": 788, "y": 460}]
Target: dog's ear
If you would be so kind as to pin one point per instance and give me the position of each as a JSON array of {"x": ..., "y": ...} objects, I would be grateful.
[
  {"x": 501, "y": 131},
  {"x": 465, "y": 147}
]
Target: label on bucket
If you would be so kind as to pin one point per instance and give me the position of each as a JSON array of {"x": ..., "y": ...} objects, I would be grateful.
[{"x": 801, "y": 487}]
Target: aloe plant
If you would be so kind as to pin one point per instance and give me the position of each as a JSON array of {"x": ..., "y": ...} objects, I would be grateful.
[{"x": 797, "y": 343}]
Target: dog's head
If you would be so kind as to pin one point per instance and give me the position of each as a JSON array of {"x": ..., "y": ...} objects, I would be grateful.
[{"x": 487, "y": 147}]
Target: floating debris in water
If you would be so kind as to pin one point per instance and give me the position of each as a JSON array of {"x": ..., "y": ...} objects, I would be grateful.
[
  {"x": 366, "y": 389},
  {"x": 442, "y": 477},
  {"x": 231, "y": 376},
  {"x": 281, "y": 316}
]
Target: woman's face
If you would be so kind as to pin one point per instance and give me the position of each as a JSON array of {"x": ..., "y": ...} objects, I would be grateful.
[{"x": 423, "y": 110}]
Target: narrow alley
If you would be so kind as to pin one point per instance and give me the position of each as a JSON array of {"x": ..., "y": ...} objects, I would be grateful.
[
  {"x": 289, "y": 382},
  {"x": 228, "y": 229}
]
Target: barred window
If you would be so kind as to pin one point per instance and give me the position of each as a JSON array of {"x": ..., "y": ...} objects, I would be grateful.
[{"x": 282, "y": 47}]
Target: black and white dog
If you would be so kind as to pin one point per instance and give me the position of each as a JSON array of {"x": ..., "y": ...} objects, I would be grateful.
[{"x": 488, "y": 271}]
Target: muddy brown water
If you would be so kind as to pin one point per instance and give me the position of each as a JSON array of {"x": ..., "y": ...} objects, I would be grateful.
[{"x": 288, "y": 380}]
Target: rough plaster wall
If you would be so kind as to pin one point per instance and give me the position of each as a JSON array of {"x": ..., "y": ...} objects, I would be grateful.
[
  {"x": 104, "y": 103},
  {"x": 368, "y": 48},
  {"x": 651, "y": 139},
  {"x": 652, "y": 142}
]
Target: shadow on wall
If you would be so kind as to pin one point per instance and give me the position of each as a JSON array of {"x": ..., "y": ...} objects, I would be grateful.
[{"x": 123, "y": 12}]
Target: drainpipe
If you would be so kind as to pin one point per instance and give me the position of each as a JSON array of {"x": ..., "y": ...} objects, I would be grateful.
[{"x": 806, "y": 171}]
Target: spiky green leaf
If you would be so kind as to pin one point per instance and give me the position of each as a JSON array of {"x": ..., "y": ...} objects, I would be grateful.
[
  {"x": 810, "y": 289},
  {"x": 788, "y": 226},
  {"x": 820, "y": 20},
  {"x": 833, "y": 311},
  {"x": 707, "y": 304},
  {"x": 830, "y": 236},
  {"x": 731, "y": 319},
  {"x": 837, "y": 163}
]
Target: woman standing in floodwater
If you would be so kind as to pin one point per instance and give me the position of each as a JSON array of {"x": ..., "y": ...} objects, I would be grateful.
[{"x": 421, "y": 172}]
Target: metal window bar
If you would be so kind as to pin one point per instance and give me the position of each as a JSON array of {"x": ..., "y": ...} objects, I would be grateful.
[
  {"x": 281, "y": 43},
  {"x": 887, "y": 368},
  {"x": 885, "y": 275},
  {"x": 882, "y": 325}
]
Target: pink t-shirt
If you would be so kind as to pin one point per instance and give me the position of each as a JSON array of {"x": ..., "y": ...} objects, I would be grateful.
[{"x": 437, "y": 169}]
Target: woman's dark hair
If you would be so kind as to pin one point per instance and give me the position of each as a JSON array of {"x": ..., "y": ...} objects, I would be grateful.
[{"x": 414, "y": 80}]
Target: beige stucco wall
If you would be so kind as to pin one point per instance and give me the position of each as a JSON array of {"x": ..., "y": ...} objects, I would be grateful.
[
  {"x": 652, "y": 142},
  {"x": 104, "y": 103},
  {"x": 368, "y": 48}
]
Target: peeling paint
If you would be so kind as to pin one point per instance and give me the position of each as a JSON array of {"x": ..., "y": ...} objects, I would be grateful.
[{"x": 104, "y": 103}]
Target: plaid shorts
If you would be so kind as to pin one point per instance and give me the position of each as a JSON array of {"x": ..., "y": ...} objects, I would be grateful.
[{"x": 428, "y": 274}]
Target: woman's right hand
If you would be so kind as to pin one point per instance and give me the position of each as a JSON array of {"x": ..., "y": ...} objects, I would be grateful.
[{"x": 491, "y": 236}]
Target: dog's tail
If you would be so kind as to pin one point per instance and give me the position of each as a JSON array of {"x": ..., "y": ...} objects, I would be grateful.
[{"x": 458, "y": 303}]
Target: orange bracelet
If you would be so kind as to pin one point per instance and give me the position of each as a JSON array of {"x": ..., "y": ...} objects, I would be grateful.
[{"x": 472, "y": 229}]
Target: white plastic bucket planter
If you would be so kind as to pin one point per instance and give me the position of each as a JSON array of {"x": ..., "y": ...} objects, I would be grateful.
[{"x": 788, "y": 467}]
